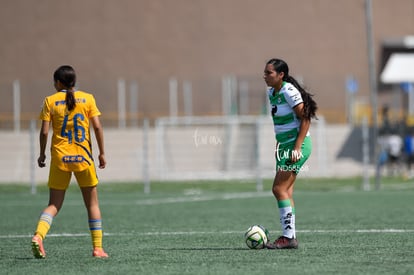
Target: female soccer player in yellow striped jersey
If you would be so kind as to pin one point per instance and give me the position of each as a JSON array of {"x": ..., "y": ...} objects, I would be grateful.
[
  {"x": 70, "y": 112},
  {"x": 292, "y": 109}
]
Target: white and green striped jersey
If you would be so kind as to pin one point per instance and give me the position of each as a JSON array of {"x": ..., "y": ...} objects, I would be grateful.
[{"x": 285, "y": 121}]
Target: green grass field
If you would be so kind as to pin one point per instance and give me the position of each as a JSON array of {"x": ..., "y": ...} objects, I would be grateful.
[{"x": 197, "y": 228}]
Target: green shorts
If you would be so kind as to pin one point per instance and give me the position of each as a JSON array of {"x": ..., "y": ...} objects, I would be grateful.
[{"x": 284, "y": 152}]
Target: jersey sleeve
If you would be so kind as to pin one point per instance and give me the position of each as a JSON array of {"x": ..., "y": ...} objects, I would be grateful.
[
  {"x": 45, "y": 112},
  {"x": 293, "y": 96},
  {"x": 93, "y": 109}
]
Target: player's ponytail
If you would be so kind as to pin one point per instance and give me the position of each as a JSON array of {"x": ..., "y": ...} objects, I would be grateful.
[
  {"x": 310, "y": 106},
  {"x": 70, "y": 100},
  {"x": 67, "y": 76}
]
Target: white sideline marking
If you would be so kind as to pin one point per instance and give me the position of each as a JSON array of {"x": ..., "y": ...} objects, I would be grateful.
[{"x": 160, "y": 233}]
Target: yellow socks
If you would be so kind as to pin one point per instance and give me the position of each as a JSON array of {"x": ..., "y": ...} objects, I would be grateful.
[
  {"x": 43, "y": 226},
  {"x": 95, "y": 226}
]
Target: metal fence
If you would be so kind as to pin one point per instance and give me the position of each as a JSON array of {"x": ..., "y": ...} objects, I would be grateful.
[{"x": 125, "y": 103}]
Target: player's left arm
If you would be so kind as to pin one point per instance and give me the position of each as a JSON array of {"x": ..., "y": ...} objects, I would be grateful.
[
  {"x": 303, "y": 130},
  {"x": 97, "y": 127}
]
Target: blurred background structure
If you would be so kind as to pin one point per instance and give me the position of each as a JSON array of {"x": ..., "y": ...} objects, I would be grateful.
[{"x": 149, "y": 59}]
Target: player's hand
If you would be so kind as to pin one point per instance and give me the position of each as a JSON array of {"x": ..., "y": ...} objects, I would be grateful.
[
  {"x": 41, "y": 161},
  {"x": 296, "y": 155},
  {"x": 102, "y": 161}
]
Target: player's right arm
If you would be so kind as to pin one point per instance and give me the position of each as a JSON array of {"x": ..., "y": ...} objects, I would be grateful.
[{"x": 44, "y": 131}]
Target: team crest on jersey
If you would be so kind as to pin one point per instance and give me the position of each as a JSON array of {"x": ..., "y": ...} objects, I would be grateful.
[{"x": 274, "y": 109}]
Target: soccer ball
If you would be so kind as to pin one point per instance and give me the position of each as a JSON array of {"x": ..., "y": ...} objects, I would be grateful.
[{"x": 256, "y": 237}]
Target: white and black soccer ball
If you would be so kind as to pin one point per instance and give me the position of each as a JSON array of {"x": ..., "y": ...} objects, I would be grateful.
[{"x": 256, "y": 237}]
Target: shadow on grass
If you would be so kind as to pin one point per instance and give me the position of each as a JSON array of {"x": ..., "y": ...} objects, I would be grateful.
[
  {"x": 203, "y": 248},
  {"x": 27, "y": 258}
]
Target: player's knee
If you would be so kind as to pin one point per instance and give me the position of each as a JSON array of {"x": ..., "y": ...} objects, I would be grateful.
[{"x": 278, "y": 191}]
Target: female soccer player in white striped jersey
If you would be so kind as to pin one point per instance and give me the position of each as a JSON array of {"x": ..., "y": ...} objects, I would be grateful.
[{"x": 292, "y": 109}]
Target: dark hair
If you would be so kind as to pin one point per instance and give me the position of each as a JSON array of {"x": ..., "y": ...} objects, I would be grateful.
[
  {"x": 310, "y": 105},
  {"x": 67, "y": 76}
]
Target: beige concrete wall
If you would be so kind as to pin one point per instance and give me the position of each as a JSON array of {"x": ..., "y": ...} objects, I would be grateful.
[{"x": 190, "y": 152}]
